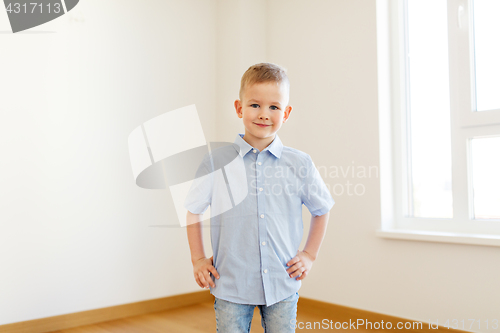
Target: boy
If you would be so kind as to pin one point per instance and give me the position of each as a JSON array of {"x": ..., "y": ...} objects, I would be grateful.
[{"x": 256, "y": 260}]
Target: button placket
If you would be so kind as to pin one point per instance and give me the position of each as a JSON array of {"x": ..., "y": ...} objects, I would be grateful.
[{"x": 262, "y": 223}]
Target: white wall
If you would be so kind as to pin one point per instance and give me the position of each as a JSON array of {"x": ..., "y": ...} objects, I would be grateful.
[
  {"x": 241, "y": 42},
  {"x": 75, "y": 231}
]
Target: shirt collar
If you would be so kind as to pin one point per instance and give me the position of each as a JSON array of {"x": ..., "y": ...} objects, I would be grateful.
[{"x": 275, "y": 148}]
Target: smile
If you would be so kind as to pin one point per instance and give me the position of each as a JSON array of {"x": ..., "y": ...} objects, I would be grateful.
[{"x": 262, "y": 125}]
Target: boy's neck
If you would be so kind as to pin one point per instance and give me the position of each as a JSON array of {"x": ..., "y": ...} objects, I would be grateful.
[{"x": 258, "y": 143}]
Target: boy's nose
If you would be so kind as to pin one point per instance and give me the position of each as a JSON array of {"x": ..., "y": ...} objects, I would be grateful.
[{"x": 264, "y": 117}]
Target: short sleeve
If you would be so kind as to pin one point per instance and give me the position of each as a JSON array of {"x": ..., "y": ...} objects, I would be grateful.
[
  {"x": 199, "y": 196},
  {"x": 315, "y": 194}
]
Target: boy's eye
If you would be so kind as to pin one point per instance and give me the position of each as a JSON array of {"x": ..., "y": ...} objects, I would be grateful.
[{"x": 273, "y": 107}]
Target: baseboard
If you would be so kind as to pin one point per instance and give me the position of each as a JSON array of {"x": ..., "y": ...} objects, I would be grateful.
[
  {"x": 90, "y": 317},
  {"x": 320, "y": 309}
]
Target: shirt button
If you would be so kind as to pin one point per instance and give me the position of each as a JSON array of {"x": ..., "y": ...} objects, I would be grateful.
[
  {"x": 261, "y": 189},
  {"x": 263, "y": 243},
  {"x": 254, "y": 151},
  {"x": 262, "y": 216},
  {"x": 259, "y": 163},
  {"x": 265, "y": 271}
]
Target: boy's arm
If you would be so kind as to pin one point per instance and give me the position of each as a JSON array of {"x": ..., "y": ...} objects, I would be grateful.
[
  {"x": 202, "y": 266},
  {"x": 195, "y": 235},
  {"x": 301, "y": 264},
  {"x": 317, "y": 232}
]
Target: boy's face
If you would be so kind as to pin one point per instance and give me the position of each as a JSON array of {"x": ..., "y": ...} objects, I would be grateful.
[{"x": 263, "y": 110}]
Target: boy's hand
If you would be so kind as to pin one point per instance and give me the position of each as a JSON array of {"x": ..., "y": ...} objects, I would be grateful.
[
  {"x": 300, "y": 264},
  {"x": 202, "y": 269}
]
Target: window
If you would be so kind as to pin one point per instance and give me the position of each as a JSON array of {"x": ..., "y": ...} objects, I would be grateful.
[{"x": 439, "y": 95}]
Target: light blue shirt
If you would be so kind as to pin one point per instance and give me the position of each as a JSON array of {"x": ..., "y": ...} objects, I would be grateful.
[{"x": 254, "y": 239}]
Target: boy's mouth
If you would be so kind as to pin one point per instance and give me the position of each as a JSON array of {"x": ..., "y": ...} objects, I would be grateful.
[{"x": 261, "y": 125}]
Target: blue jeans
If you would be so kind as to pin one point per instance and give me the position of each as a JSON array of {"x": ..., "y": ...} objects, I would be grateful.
[{"x": 237, "y": 318}]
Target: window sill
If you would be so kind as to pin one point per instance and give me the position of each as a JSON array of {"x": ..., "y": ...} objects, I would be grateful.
[{"x": 441, "y": 237}]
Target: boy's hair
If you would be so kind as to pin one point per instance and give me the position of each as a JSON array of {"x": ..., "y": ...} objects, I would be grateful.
[{"x": 264, "y": 72}]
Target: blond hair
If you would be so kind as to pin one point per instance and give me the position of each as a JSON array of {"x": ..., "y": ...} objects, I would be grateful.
[{"x": 264, "y": 72}]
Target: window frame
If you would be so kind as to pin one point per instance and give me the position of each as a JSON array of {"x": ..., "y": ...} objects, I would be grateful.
[{"x": 465, "y": 125}]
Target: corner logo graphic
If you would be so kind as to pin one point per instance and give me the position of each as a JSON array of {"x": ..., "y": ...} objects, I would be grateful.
[
  {"x": 170, "y": 151},
  {"x": 24, "y": 15}
]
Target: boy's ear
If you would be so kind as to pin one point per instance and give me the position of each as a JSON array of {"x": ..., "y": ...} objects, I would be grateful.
[
  {"x": 238, "y": 106},
  {"x": 287, "y": 112}
]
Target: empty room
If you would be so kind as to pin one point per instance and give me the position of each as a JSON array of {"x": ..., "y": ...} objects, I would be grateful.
[{"x": 236, "y": 166}]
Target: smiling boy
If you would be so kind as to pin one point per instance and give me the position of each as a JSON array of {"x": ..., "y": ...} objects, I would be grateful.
[{"x": 257, "y": 261}]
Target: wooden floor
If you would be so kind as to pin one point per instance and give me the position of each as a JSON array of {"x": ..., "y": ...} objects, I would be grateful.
[{"x": 198, "y": 318}]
